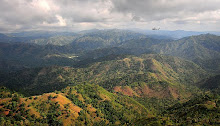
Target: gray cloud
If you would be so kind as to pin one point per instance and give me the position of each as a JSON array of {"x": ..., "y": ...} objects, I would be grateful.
[
  {"x": 19, "y": 15},
  {"x": 163, "y": 9}
]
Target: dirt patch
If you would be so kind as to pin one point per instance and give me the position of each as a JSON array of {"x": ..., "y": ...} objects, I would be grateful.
[
  {"x": 211, "y": 103},
  {"x": 126, "y": 90},
  {"x": 66, "y": 68},
  {"x": 127, "y": 60},
  {"x": 6, "y": 112},
  {"x": 62, "y": 100},
  {"x": 143, "y": 91},
  {"x": 90, "y": 108},
  {"x": 173, "y": 92},
  {"x": 158, "y": 92},
  {"x": 42, "y": 72}
]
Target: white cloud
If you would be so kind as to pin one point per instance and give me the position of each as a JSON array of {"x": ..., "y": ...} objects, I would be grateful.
[
  {"x": 85, "y": 14},
  {"x": 62, "y": 22}
]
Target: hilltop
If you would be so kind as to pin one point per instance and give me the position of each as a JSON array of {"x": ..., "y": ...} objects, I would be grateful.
[{"x": 80, "y": 105}]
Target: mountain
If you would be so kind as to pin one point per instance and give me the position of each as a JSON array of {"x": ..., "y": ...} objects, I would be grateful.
[
  {"x": 176, "y": 34},
  {"x": 55, "y": 40},
  {"x": 108, "y": 77},
  {"x": 64, "y": 48},
  {"x": 27, "y": 37},
  {"x": 40, "y": 34},
  {"x": 79, "y": 48},
  {"x": 89, "y": 104},
  {"x": 202, "y": 110},
  {"x": 103, "y": 39},
  {"x": 15, "y": 56},
  {"x": 195, "y": 47},
  {"x": 201, "y": 49},
  {"x": 114, "y": 52},
  {"x": 8, "y": 39},
  {"x": 142, "y": 76},
  {"x": 211, "y": 83},
  {"x": 4, "y": 38},
  {"x": 84, "y": 104},
  {"x": 143, "y": 43}
]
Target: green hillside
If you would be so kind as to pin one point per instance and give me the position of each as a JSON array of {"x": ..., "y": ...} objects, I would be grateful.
[
  {"x": 15, "y": 56},
  {"x": 211, "y": 83},
  {"x": 150, "y": 69},
  {"x": 67, "y": 50},
  {"x": 89, "y": 104},
  {"x": 201, "y": 46},
  {"x": 84, "y": 104},
  {"x": 103, "y": 37},
  {"x": 202, "y": 110}
]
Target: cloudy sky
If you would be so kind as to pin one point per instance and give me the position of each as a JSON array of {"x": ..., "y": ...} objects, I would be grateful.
[{"x": 75, "y": 15}]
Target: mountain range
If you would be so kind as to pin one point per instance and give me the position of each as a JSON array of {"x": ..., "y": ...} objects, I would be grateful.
[{"x": 109, "y": 77}]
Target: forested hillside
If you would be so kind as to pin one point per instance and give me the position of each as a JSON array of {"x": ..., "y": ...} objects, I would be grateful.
[
  {"x": 202, "y": 49},
  {"x": 128, "y": 71},
  {"x": 84, "y": 104}
]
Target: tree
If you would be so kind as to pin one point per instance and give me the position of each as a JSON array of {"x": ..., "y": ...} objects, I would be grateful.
[
  {"x": 50, "y": 97},
  {"x": 2, "y": 121}
]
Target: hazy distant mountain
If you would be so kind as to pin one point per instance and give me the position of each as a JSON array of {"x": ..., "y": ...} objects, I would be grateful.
[
  {"x": 15, "y": 56},
  {"x": 143, "y": 43},
  {"x": 40, "y": 34},
  {"x": 203, "y": 46},
  {"x": 202, "y": 49},
  {"x": 173, "y": 34},
  {"x": 8, "y": 39},
  {"x": 54, "y": 40}
]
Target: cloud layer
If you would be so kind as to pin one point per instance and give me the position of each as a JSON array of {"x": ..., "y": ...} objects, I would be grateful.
[{"x": 72, "y": 15}]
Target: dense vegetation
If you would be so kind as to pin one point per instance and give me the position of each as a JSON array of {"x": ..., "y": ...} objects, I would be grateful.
[
  {"x": 146, "y": 70},
  {"x": 202, "y": 49},
  {"x": 84, "y": 104},
  {"x": 201, "y": 110}
]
